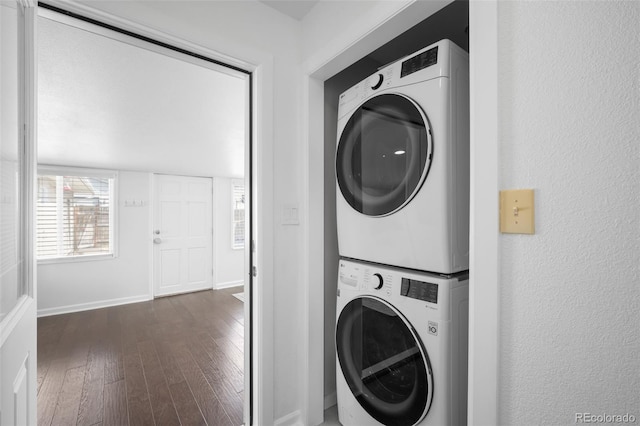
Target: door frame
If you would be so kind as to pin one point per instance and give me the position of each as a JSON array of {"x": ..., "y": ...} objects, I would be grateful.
[
  {"x": 258, "y": 406},
  {"x": 19, "y": 326},
  {"x": 377, "y": 28}
]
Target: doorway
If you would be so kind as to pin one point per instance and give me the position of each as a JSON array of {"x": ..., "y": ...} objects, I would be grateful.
[{"x": 155, "y": 154}]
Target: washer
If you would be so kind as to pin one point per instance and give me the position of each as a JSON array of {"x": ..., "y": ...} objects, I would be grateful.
[
  {"x": 401, "y": 342},
  {"x": 402, "y": 163}
]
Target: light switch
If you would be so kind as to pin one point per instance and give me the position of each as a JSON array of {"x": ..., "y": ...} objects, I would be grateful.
[
  {"x": 290, "y": 214},
  {"x": 517, "y": 212}
]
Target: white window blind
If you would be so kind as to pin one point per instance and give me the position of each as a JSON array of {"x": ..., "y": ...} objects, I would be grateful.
[
  {"x": 74, "y": 214},
  {"x": 237, "y": 214},
  {"x": 10, "y": 212}
]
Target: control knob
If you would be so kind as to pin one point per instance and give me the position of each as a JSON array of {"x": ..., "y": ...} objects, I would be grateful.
[
  {"x": 378, "y": 281},
  {"x": 376, "y": 81}
]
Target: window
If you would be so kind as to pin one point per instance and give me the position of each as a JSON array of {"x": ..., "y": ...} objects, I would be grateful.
[
  {"x": 237, "y": 214},
  {"x": 75, "y": 213}
]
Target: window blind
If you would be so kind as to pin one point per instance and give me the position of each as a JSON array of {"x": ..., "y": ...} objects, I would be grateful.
[
  {"x": 238, "y": 215},
  {"x": 74, "y": 215},
  {"x": 9, "y": 215}
]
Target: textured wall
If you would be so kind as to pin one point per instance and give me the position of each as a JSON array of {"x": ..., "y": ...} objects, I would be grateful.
[{"x": 569, "y": 116}]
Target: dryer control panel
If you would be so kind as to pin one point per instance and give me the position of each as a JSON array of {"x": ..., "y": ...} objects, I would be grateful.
[{"x": 426, "y": 64}]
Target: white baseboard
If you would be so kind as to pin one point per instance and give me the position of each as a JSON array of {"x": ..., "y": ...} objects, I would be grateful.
[
  {"x": 330, "y": 400},
  {"x": 228, "y": 284},
  {"x": 291, "y": 419},
  {"x": 92, "y": 305}
]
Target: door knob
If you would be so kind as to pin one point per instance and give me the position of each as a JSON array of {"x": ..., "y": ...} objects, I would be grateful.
[{"x": 157, "y": 240}]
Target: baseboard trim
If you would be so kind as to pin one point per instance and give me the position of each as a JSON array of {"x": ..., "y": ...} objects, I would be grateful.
[
  {"x": 291, "y": 419},
  {"x": 229, "y": 284},
  {"x": 330, "y": 400},
  {"x": 92, "y": 305}
]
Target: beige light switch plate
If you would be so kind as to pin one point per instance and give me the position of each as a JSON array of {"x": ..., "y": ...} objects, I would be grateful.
[{"x": 517, "y": 212}]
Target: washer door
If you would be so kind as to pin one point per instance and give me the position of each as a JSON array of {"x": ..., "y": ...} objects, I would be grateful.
[
  {"x": 383, "y": 362},
  {"x": 383, "y": 155}
]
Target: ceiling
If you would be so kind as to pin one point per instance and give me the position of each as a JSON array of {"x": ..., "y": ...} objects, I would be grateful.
[
  {"x": 106, "y": 103},
  {"x": 297, "y": 9}
]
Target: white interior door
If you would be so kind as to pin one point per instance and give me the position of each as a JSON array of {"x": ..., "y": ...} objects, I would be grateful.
[
  {"x": 17, "y": 171},
  {"x": 182, "y": 234}
]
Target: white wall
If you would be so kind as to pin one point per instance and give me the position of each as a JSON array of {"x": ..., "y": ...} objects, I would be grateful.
[
  {"x": 229, "y": 263},
  {"x": 570, "y": 297},
  {"x": 87, "y": 284},
  {"x": 69, "y": 286}
]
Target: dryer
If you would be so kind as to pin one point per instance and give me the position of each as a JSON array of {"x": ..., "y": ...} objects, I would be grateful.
[
  {"x": 402, "y": 163},
  {"x": 401, "y": 343}
]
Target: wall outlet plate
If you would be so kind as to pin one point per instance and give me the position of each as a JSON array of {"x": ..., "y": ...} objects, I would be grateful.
[{"x": 517, "y": 212}]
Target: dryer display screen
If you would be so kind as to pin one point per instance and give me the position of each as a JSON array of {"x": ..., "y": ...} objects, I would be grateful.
[
  {"x": 419, "y": 290},
  {"x": 419, "y": 62}
]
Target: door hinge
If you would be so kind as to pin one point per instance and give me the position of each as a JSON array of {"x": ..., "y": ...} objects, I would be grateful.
[
  {"x": 254, "y": 271},
  {"x": 253, "y": 246}
]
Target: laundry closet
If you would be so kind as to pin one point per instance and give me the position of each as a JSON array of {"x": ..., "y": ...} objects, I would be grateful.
[{"x": 449, "y": 23}]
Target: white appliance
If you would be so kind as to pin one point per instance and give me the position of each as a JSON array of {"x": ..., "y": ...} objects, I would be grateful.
[
  {"x": 401, "y": 340},
  {"x": 402, "y": 163}
]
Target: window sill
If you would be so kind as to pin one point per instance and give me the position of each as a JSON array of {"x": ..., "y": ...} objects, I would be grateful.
[{"x": 74, "y": 259}]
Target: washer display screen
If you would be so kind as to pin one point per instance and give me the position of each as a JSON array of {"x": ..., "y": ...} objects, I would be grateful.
[
  {"x": 419, "y": 290},
  {"x": 383, "y": 362}
]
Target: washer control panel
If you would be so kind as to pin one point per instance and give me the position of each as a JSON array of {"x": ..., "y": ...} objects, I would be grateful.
[
  {"x": 350, "y": 274},
  {"x": 388, "y": 282},
  {"x": 378, "y": 280}
]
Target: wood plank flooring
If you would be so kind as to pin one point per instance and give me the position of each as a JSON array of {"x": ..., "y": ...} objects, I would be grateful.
[{"x": 176, "y": 360}]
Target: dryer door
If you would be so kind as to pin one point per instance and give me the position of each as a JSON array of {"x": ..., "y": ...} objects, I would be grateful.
[
  {"x": 383, "y": 155},
  {"x": 384, "y": 362}
]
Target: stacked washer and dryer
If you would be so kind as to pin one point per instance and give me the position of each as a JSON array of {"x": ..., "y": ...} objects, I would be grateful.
[{"x": 402, "y": 169}]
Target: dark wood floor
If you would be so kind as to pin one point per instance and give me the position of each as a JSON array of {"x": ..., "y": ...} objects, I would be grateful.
[{"x": 171, "y": 361}]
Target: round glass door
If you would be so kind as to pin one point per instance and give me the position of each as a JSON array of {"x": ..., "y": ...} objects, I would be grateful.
[
  {"x": 383, "y": 155},
  {"x": 383, "y": 362}
]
